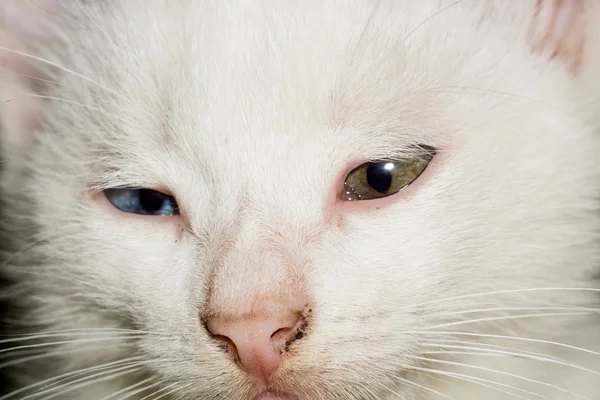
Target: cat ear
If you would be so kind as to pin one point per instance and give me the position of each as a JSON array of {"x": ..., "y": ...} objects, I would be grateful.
[
  {"x": 558, "y": 31},
  {"x": 24, "y": 24}
]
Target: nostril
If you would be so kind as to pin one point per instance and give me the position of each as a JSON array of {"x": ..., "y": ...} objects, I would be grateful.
[
  {"x": 281, "y": 332},
  {"x": 225, "y": 344},
  {"x": 282, "y": 336}
]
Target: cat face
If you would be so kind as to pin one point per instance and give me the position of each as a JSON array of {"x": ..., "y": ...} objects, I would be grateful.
[{"x": 246, "y": 271}]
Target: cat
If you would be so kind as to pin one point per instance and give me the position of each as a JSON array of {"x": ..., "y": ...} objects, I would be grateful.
[{"x": 270, "y": 199}]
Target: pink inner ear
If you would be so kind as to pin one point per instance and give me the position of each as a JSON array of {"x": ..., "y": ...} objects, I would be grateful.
[
  {"x": 25, "y": 17},
  {"x": 22, "y": 23},
  {"x": 19, "y": 111},
  {"x": 558, "y": 30}
]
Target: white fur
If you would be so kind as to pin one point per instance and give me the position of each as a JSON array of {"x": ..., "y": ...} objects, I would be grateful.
[{"x": 249, "y": 113}]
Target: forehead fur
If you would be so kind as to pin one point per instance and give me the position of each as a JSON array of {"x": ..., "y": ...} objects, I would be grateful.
[{"x": 213, "y": 88}]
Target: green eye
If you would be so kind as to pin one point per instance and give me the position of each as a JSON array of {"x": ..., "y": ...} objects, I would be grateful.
[{"x": 374, "y": 180}]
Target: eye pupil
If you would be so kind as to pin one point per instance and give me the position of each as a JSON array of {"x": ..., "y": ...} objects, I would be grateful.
[
  {"x": 151, "y": 201},
  {"x": 379, "y": 176}
]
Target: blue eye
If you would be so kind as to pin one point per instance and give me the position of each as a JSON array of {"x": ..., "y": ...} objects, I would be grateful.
[{"x": 142, "y": 201}]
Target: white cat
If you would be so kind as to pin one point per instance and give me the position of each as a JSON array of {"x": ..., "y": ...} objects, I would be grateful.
[{"x": 319, "y": 199}]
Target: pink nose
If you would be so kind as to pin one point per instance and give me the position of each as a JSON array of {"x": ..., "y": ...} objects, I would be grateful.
[{"x": 259, "y": 340}]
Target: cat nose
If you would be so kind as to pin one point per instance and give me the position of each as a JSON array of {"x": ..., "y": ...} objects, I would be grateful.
[{"x": 259, "y": 340}]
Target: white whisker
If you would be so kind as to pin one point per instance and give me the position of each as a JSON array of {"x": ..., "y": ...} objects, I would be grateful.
[
  {"x": 424, "y": 388},
  {"x": 504, "y": 318},
  {"x": 481, "y": 381},
  {"x": 50, "y": 354},
  {"x": 507, "y": 291},
  {"x": 172, "y": 391},
  {"x": 476, "y": 90},
  {"x": 505, "y": 337},
  {"x": 32, "y": 77},
  {"x": 160, "y": 390},
  {"x": 430, "y": 18},
  {"x": 427, "y": 359},
  {"x": 76, "y": 341},
  {"x": 83, "y": 382},
  {"x": 510, "y": 354},
  {"x": 547, "y": 308},
  {"x": 65, "y": 69},
  {"x": 49, "y": 383},
  {"x": 487, "y": 346},
  {"x": 67, "y": 333},
  {"x": 388, "y": 389},
  {"x": 132, "y": 390},
  {"x": 75, "y": 103},
  {"x": 68, "y": 375}
]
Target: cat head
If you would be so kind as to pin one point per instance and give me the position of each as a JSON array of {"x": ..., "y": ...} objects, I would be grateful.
[{"x": 298, "y": 199}]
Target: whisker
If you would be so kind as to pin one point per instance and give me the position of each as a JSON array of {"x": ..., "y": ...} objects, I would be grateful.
[
  {"x": 54, "y": 14},
  {"x": 31, "y": 241},
  {"x": 88, "y": 107},
  {"x": 77, "y": 341},
  {"x": 160, "y": 390},
  {"x": 479, "y": 310},
  {"x": 428, "y": 359},
  {"x": 487, "y": 346},
  {"x": 467, "y": 353},
  {"x": 172, "y": 391},
  {"x": 50, "y": 354},
  {"x": 505, "y": 337},
  {"x": 429, "y": 19},
  {"x": 90, "y": 18},
  {"x": 19, "y": 353},
  {"x": 60, "y": 67},
  {"x": 398, "y": 395},
  {"x": 31, "y": 77},
  {"x": 83, "y": 382},
  {"x": 424, "y": 388},
  {"x": 47, "y": 81},
  {"x": 465, "y": 89},
  {"x": 364, "y": 32},
  {"x": 512, "y": 354},
  {"x": 503, "y": 318},
  {"x": 389, "y": 389},
  {"x": 67, "y": 333},
  {"x": 496, "y": 354},
  {"x": 63, "y": 377},
  {"x": 507, "y": 291},
  {"x": 130, "y": 388},
  {"x": 481, "y": 381},
  {"x": 368, "y": 23}
]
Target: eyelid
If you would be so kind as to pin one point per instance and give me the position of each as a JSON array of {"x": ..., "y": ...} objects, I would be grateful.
[
  {"x": 409, "y": 171},
  {"x": 406, "y": 195},
  {"x": 372, "y": 180}
]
